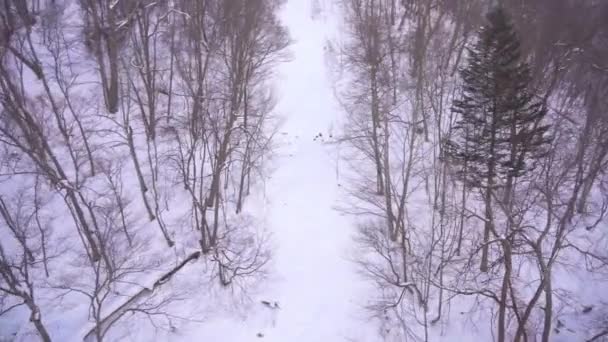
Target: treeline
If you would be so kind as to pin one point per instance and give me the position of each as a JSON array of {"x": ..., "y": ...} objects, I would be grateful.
[
  {"x": 123, "y": 124},
  {"x": 479, "y": 131}
]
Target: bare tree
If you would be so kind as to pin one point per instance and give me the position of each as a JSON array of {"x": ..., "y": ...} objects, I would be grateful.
[
  {"x": 538, "y": 218},
  {"x": 22, "y": 255},
  {"x": 105, "y": 30},
  {"x": 30, "y": 122},
  {"x": 184, "y": 98}
]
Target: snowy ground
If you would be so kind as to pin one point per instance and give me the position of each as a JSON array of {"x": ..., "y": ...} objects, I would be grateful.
[
  {"x": 313, "y": 291},
  {"x": 316, "y": 287},
  {"x": 320, "y": 296}
]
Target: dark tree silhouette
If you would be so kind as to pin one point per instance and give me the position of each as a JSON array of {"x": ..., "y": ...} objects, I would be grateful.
[{"x": 499, "y": 130}]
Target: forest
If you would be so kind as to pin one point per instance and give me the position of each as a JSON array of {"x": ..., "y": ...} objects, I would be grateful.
[
  {"x": 137, "y": 137},
  {"x": 478, "y": 131}
]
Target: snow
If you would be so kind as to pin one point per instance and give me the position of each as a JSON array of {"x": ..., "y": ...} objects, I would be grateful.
[
  {"x": 318, "y": 292},
  {"x": 313, "y": 291}
]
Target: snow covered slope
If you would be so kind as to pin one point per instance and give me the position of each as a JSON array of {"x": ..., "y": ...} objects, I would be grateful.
[{"x": 317, "y": 291}]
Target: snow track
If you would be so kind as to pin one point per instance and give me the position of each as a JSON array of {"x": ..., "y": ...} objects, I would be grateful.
[{"x": 318, "y": 289}]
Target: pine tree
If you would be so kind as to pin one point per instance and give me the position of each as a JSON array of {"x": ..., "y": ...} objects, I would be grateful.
[{"x": 499, "y": 130}]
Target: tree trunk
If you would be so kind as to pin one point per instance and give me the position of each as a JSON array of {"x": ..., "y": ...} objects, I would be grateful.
[
  {"x": 390, "y": 218},
  {"x": 140, "y": 177},
  {"x": 375, "y": 124},
  {"x": 244, "y": 172},
  {"x": 548, "y": 307},
  {"x": 488, "y": 226},
  {"x": 506, "y": 280},
  {"x": 37, "y": 320},
  {"x": 112, "y": 91},
  {"x": 461, "y": 223}
]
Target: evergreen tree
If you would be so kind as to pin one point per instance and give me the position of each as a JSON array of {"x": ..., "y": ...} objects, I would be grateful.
[{"x": 498, "y": 133}]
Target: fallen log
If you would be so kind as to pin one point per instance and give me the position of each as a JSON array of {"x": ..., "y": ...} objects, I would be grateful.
[{"x": 115, "y": 315}]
